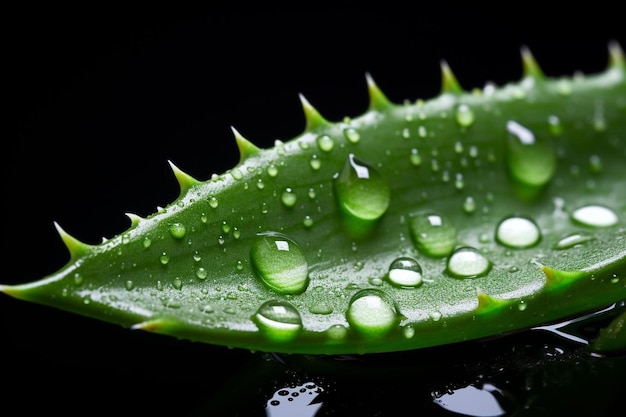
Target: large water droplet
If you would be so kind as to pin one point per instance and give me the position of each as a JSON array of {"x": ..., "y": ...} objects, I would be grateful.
[
  {"x": 278, "y": 320},
  {"x": 177, "y": 230},
  {"x": 518, "y": 232},
  {"x": 405, "y": 272},
  {"x": 531, "y": 161},
  {"x": 433, "y": 234},
  {"x": 361, "y": 190},
  {"x": 468, "y": 262},
  {"x": 280, "y": 263},
  {"x": 372, "y": 312},
  {"x": 288, "y": 197},
  {"x": 595, "y": 216},
  {"x": 325, "y": 143}
]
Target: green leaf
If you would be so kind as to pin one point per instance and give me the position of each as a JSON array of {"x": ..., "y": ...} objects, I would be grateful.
[{"x": 469, "y": 215}]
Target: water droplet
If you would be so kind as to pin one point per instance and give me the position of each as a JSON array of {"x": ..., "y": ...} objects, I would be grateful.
[
  {"x": 572, "y": 240},
  {"x": 337, "y": 332},
  {"x": 352, "y": 135},
  {"x": 177, "y": 230},
  {"x": 196, "y": 256},
  {"x": 260, "y": 184},
  {"x": 518, "y": 232},
  {"x": 280, "y": 263},
  {"x": 468, "y": 262},
  {"x": 361, "y": 190},
  {"x": 315, "y": 162},
  {"x": 595, "y": 164},
  {"x": 78, "y": 279},
  {"x": 469, "y": 205},
  {"x": 405, "y": 272},
  {"x": 325, "y": 143},
  {"x": 433, "y": 234},
  {"x": 213, "y": 202},
  {"x": 164, "y": 258},
  {"x": 147, "y": 242},
  {"x": 129, "y": 285},
  {"x": 236, "y": 173},
  {"x": 288, "y": 197},
  {"x": 177, "y": 283},
  {"x": 554, "y": 124},
  {"x": 421, "y": 131},
  {"x": 531, "y": 161},
  {"x": 272, "y": 170},
  {"x": 372, "y": 312},
  {"x": 308, "y": 221},
  {"x": 415, "y": 157},
  {"x": 201, "y": 273},
  {"x": 464, "y": 115},
  {"x": 278, "y": 320},
  {"x": 595, "y": 216}
]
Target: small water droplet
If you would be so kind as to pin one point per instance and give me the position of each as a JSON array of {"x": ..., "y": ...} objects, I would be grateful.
[
  {"x": 469, "y": 205},
  {"x": 177, "y": 230},
  {"x": 518, "y": 232},
  {"x": 177, "y": 283},
  {"x": 278, "y": 320},
  {"x": 288, "y": 197},
  {"x": 415, "y": 158},
  {"x": 352, "y": 135},
  {"x": 164, "y": 258},
  {"x": 337, "y": 332},
  {"x": 572, "y": 240},
  {"x": 213, "y": 202},
  {"x": 464, "y": 115},
  {"x": 595, "y": 216},
  {"x": 201, "y": 273},
  {"x": 405, "y": 272},
  {"x": 129, "y": 285},
  {"x": 595, "y": 164},
  {"x": 468, "y": 262},
  {"x": 433, "y": 234},
  {"x": 422, "y": 132},
  {"x": 361, "y": 190},
  {"x": 308, "y": 221},
  {"x": 315, "y": 162},
  {"x": 272, "y": 170},
  {"x": 554, "y": 125},
  {"x": 531, "y": 161},
  {"x": 147, "y": 242},
  {"x": 236, "y": 173},
  {"x": 280, "y": 263},
  {"x": 372, "y": 312},
  {"x": 78, "y": 279},
  {"x": 325, "y": 143}
]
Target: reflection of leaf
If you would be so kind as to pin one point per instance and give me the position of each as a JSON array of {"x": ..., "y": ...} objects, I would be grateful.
[{"x": 504, "y": 205}]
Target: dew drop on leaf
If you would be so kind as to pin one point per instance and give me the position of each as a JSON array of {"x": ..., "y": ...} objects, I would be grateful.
[
  {"x": 177, "y": 230},
  {"x": 278, "y": 320},
  {"x": 362, "y": 192},
  {"x": 518, "y": 232},
  {"x": 433, "y": 234},
  {"x": 352, "y": 135},
  {"x": 468, "y": 262},
  {"x": 594, "y": 216},
  {"x": 531, "y": 161},
  {"x": 325, "y": 143},
  {"x": 405, "y": 272},
  {"x": 464, "y": 115},
  {"x": 372, "y": 312},
  {"x": 572, "y": 240},
  {"x": 280, "y": 263}
]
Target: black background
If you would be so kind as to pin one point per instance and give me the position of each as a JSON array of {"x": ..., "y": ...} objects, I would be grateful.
[{"x": 99, "y": 100}]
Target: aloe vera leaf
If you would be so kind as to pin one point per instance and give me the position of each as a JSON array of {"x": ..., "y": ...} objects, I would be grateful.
[{"x": 323, "y": 217}]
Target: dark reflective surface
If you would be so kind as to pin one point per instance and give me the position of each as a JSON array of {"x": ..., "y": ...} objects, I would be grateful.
[{"x": 101, "y": 100}]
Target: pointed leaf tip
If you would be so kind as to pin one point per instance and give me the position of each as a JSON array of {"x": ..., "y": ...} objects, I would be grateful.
[
  {"x": 449, "y": 82},
  {"x": 530, "y": 67},
  {"x": 74, "y": 246},
  {"x": 246, "y": 148},
  {"x": 134, "y": 221},
  {"x": 378, "y": 100},
  {"x": 313, "y": 118},
  {"x": 616, "y": 55},
  {"x": 185, "y": 181}
]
